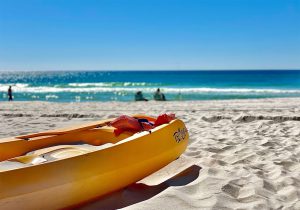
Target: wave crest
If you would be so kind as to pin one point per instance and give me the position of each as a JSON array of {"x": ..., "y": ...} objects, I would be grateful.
[
  {"x": 114, "y": 84},
  {"x": 100, "y": 87}
]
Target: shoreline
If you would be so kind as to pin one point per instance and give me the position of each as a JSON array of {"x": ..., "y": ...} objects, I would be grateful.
[{"x": 248, "y": 151}]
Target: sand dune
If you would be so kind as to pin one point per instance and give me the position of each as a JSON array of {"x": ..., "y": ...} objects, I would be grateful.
[{"x": 243, "y": 154}]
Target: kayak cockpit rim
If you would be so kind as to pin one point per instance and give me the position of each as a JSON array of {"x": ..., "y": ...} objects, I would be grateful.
[{"x": 133, "y": 136}]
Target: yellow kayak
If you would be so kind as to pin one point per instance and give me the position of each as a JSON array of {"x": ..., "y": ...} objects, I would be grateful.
[{"x": 63, "y": 168}]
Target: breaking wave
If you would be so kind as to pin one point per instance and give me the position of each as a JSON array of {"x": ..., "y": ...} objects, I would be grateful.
[
  {"x": 114, "y": 84},
  {"x": 133, "y": 87}
]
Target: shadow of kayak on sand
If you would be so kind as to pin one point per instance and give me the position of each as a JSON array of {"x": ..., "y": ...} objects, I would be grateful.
[{"x": 139, "y": 192}]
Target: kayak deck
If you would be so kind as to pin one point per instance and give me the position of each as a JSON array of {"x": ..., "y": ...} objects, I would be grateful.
[
  {"x": 95, "y": 137},
  {"x": 96, "y": 133}
]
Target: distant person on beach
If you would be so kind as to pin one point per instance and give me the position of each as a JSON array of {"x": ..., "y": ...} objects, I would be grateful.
[
  {"x": 9, "y": 94},
  {"x": 159, "y": 96},
  {"x": 139, "y": 96}
]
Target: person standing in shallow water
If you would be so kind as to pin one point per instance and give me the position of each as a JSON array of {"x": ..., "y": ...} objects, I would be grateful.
[{"x": 9, "y": 93}]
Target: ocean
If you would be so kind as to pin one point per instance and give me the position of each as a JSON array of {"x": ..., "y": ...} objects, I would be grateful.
[{"x": 71, "y": 86}]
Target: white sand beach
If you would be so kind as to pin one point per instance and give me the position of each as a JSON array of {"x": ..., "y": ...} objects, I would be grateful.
[{"x": 242, "y": 154}]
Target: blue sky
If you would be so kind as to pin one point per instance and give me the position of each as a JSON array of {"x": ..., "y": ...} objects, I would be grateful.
[{"x": 149, "y": 34}]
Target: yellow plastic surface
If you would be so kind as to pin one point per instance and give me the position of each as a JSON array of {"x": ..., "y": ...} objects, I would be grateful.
[{"x": 73, "y": 180}]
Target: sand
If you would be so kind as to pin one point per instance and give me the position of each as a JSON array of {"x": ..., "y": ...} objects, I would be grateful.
[{"x": 242, "y": 154}]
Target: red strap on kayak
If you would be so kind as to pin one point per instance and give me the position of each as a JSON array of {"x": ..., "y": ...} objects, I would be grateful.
[
  {"x": 163, "y": 119},
  {"x": 134, "y": 125}
]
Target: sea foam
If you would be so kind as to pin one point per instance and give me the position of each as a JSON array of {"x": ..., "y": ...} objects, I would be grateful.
[{"x": 98, "y": 87}]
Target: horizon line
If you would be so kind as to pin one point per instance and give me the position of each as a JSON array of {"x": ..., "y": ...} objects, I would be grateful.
[{"x": 48, "y": 70}]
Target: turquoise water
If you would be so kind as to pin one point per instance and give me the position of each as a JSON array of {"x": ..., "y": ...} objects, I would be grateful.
[{"x": 68, "y": 86}]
